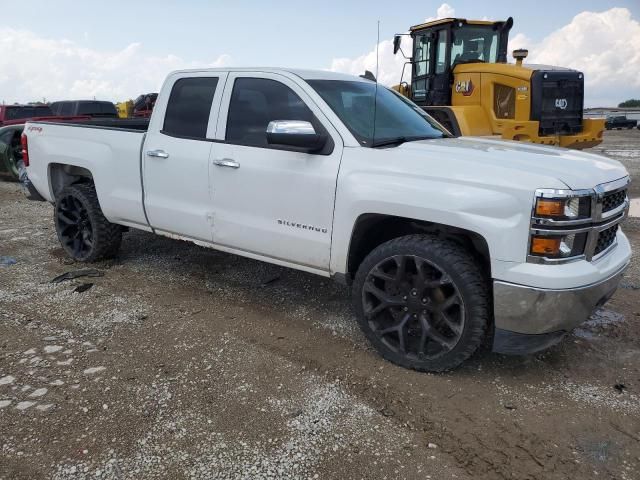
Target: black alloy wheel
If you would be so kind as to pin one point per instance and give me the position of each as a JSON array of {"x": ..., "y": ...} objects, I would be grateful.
[
  {"x": 423, "y": 302},
  {"x": 414, "y": 306},
  {"x": 74, "y": 226},
  {"x": 84, "y": 232}
]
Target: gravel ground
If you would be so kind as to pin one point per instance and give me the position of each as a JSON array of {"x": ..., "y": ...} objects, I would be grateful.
[{"x": 183, "y": 362}]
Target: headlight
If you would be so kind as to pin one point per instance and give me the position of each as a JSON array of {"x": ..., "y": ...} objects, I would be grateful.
[
  {"x": 559, "y": 225},
  {"x": 569, "y": 208}
]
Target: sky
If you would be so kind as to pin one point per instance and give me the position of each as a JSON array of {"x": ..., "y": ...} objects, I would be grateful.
[{"x": 116, "y": 50}]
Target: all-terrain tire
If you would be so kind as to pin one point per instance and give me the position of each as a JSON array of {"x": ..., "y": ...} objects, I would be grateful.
[
  {"x": 465, "y": 273},
  {"x": 105, "y": 237}
]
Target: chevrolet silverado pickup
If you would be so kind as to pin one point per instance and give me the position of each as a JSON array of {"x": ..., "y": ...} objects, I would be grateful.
[{"x": 446, "y": 242}]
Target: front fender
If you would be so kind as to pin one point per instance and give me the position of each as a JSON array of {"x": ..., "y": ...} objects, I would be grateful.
[{"x": 499, "y": 215}]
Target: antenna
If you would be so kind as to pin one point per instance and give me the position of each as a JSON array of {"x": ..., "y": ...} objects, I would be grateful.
[{"x": 375, "y": 95}]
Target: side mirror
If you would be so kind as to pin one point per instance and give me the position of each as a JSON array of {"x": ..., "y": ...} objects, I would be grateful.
[
  {"x": 397, "y": 40},
  {"x": 295, "y": 133}
]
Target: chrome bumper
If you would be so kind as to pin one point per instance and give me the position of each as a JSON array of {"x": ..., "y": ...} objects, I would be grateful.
[{"x": 534, "y": 311}]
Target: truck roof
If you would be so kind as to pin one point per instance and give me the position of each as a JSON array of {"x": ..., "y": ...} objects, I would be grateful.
[{"x": 306, "y": 74}]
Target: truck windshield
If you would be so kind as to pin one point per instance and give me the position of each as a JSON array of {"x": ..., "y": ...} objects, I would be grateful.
[{"x": 397, "y": 120}]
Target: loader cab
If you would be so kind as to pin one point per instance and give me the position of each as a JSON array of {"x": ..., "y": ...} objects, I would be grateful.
[{"x": 440, "y": 45}]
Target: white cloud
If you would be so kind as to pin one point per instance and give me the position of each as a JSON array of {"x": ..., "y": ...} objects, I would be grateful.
[
  {"x": 444, "y": 11},
  {"x": 33, "y": 67},
  {"x": 603, "y": 45}
]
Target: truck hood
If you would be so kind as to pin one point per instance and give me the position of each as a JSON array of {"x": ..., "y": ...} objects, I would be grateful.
[{"x": 575, "y": 169}]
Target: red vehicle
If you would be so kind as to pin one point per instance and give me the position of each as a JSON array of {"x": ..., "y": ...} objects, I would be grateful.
[
  {"x": 19, "y": 114},
  {"x": 143, "y": 105}
]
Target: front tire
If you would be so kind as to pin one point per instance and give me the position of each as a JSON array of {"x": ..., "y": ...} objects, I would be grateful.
[
  {"x": 84, "y": 233},
  {"x": 423, "y": 302}
]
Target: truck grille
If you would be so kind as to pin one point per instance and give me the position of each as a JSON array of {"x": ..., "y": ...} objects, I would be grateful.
[
  {"x": 613, "y": 200},
  {"x": 605, "y": 239}
]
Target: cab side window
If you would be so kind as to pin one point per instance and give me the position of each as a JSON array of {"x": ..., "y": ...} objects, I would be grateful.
[
  {"x": 422, "y": 56},
  {"x": 257, "y": 101},
  {"x": 189, "y": 107},
  {"x": 441, "y": 52}
]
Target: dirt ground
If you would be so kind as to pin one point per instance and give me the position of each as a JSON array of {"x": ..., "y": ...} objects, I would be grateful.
[{"x": 183, "y": 362}]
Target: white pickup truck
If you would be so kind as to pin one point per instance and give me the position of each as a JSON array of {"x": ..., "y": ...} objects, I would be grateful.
[{"x": 446, "y": 242}]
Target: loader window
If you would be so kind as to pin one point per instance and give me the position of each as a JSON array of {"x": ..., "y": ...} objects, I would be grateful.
[
  {"x": 422, "y": 55},
  {"x": 472, "y": 44},
  {"x": 441, "y": 52}
]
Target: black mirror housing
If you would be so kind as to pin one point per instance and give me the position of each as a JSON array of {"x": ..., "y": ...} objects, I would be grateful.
[
  {"x": 310, "y": 142},
  {"x": 397, "y": 40}
]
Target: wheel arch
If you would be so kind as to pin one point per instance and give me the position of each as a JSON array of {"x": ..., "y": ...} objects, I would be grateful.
[
  {"x": 62, "y": 175},
  {"x": 371, "y": 230}
]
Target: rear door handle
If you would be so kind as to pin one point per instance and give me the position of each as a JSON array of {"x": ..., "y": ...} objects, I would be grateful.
[
  {"x": 157, "y": 154},
  {"x": 227, "y": 162}
]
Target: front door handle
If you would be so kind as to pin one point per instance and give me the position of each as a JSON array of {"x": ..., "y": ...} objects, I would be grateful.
[
  {"x": 227, "y": 162},
  {"x": 157, "y": 154}
]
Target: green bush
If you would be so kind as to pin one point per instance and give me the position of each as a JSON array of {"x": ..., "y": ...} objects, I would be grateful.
[{"x": 633, "y": 103}]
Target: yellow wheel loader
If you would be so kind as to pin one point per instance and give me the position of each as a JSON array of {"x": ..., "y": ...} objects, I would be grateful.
[{"x": 460, "y": 76}]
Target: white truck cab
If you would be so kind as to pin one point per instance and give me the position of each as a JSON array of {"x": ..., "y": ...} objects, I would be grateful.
[{"x": 444, "y": 240}]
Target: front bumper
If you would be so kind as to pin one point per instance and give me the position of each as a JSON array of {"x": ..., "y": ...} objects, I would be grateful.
[
  {"x": 529, "y": 319},
  {"x": 591, "y": 135}
]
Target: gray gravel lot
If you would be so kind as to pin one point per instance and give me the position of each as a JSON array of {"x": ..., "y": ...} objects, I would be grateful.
[{"x": 183, "y": 362}]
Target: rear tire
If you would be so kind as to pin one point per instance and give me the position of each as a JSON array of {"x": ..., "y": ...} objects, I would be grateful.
[
  {"x": 423, "y": 302},
  {"x": 84, "y": 233}
]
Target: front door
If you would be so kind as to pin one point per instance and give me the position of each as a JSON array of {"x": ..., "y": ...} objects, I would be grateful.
[
  {"x": 431, "y": 83},
  {"x": 268, "y": 200},
  {"x": 176, "y": 155}
]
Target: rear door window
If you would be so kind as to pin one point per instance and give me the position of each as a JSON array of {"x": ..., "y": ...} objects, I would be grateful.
[
  {"x": 19, "y": 113},
  {"x": 108, "y": 108},
  {"x": 189, "y": 107},
  {"x": 89, "y": 108},
  {"x": 65, "y": 108},
  {"x": 43, "y": 111}
]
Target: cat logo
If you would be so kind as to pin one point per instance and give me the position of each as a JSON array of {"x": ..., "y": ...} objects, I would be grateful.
[
  {"x": 465, "y": 87},
  {"x": 561, "y": 103}
]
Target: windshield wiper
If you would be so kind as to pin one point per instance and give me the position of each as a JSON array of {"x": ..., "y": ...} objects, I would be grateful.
[{"x": 398, "y": 140}]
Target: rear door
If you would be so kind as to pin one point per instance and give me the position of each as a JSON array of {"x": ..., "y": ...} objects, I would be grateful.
[
  {"x": 270, "y": 200},
  {"x": 176, "y": 152}
]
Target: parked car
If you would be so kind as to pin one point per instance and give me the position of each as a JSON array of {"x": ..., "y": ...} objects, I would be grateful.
[
  {"x": 11, "y": 164},
  {"x": 143, "y": 105},
  {"x": 91, "y": 108},
  {"x": 10, "y": 150},
  {"x": 619, "y": 122},
  {"x": 12, "y": 120},
  {"x": 444, "y": 241},
  {"x": 14, "y": 114}
]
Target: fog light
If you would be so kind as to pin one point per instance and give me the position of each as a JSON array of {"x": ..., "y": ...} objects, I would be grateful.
[{"x": 545, "y": 246}]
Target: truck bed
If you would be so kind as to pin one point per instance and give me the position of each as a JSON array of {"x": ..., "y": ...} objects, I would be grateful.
[{"x": 108, "y": 148}]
